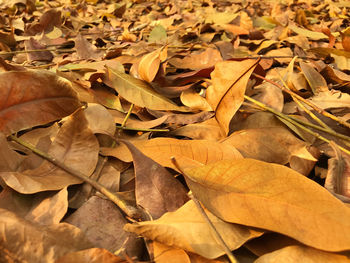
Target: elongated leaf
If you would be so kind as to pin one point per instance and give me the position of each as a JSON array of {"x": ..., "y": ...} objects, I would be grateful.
[
  {"x": 23, "y": 241},
  {"x": 140, "y": 93},
  {"x": 273, "y": 197},
  {"x": 74, "y": 145},
  {"x": 190, "y": 153},
  {"x": 31, "y": 98},
  {"x": 226, "y": 95},
  {"x": 186, "y": 229},
  {"x": 302, "y": 254}
]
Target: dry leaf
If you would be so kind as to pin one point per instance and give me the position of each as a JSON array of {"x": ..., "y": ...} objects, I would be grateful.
[
  {"x": 74, "y": 145},
  {"x": 140, "y": 93},
  {"x": 189, "y": 153},
  {"x": 24, "y": 241},
  {"x": 186, "y": 229},
  {"x": 302, "y": 254},
  {"x": 33, "y": 98},
  {"x": 272, "y": 197},
  {"x": 225, "y": 96}
]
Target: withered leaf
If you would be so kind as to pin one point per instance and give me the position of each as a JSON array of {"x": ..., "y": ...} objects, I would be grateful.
[
  {"x": 31, "y": 98},
  {"x": 272, "y": 197}
]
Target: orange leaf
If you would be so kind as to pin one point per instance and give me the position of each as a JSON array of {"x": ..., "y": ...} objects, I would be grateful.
[
  {"x": 272, "y": 197},
  {"x": 225, "y": 96}
]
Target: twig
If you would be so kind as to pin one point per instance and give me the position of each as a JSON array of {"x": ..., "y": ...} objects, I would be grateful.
[
  {"x": 127, "y": 115},
  {"x": 301, "y": 105},
  {"x": 285, "y": 117},
  {"x": 319, "y": 110},
  {"x": 142, "y": 130},
  {"x": 129, "y": 210},
  {"x": 217, "y": 235}
]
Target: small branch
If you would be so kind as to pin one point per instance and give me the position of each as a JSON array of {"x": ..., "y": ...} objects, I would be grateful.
[
  {"x": 285, "y": 117},
  {"x": 142, "y": 130},
  {"x": 129, "y": 210},
  {"x": 217, "y": 235},
  {"x": 127, "y": 115},
  {"x": 319, "y": 110}
]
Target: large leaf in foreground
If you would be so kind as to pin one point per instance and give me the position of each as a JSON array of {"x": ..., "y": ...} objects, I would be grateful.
[
  {"x": 140, "y": 93},
  {"x": 302, "y": 254},
  {"x": 272, "y": 197},
  {"x": 31, "y": 98},
  {"x": 24, "y": 241},
  {"x": 185, "y": 228}
]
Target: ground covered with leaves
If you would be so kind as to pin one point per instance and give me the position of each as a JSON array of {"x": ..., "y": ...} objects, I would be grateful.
[{"x": 174, "y": 131}]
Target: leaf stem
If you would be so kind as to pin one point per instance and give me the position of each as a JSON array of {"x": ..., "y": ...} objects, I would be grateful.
[
  {"x": 199, "y": 206},
  {"x": 129, "y": 210},
  {"x": 285, "y": 117},
  {"x": 312, "y": 105}
]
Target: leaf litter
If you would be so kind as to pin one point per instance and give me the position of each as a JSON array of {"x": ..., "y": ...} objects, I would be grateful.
[{"x": 116, "y": 118}]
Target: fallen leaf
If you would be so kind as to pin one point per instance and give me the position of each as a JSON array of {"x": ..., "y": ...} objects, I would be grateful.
[
  {"x": 250, "y": 192},
  {"x": 302, "y": 254},
  {"x": 189, "y": 153},
  {"x": 24, "y": 241},
  {"x": 140, "y": 93},
  {"x": 33, "y": 98},
  {"x": 186, "y": 229},
  {"x": 157, "y": 191},
  {"x": 225, "y": 96},
  {"x": 74, "y": 145},
  {"x": 105, "y": 231},
  {"x": 92, "y": 255}
]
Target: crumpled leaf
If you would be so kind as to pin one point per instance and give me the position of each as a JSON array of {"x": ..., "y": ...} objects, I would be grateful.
[
  {"x": 272, "y": 197},
  {"x": 24, "y": 241},
  {"x": 338, "y": 175},
  {"x": 32, "y": 98},
  {"x": 92, "y": 255},
  {"x": 186, "y": 229},
  {"x": 46, "y": 208},
  {"x": 75, "y": 146}
]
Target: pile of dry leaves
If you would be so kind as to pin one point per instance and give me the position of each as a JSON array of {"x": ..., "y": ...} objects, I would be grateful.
[{"x": 174, "y": 131}]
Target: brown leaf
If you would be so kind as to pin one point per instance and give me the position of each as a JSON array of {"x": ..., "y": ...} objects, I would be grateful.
[
  {"x": 302, "y": 254},
  {"x": 338, "y": 175},
  {"x": 273, "y": 144},
  {"x": 189, "y": 153},
  {"x": 74, "y": 145},
  {"x": 186, "y": 229},
  {"x": 225, "y": 96},
  {"x": 156, "y": 189},
  {"x": 198, "y": 60},
  {"x": 316, "y": 82},
  {"x": 92, "y": 255},
  {"x": 149, "y": 65},
  {"x": 24, "y": 241},
  {"x": 86, "y": 50},
  {"x": 103, "y": 223},
  {"x": 100, "y": 120},
  {"x": 46, "y": 208},
  {"x": 272, "y": 197},
  {"x": 33, "y": 98},
  {"x": 33, "y": 44},
  {"x": 167, "y": 254}
]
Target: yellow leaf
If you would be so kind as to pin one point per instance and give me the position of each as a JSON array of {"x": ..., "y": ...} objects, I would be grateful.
[
  {"x": 225, "y": 96},
  {"x": 186, "y": 229},
  {"x": 301, "y": 254},
  {"x": 272, "y": 197},
  {"x": 140, "y": 93},
  {"x": 189, "y": 153}
]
